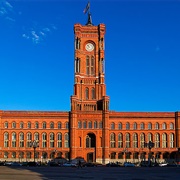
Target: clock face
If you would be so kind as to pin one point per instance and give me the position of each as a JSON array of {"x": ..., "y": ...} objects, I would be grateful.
[{"x": 89, "y": 47}]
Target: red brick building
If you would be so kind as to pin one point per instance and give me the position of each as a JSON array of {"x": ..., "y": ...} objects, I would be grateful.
[{"x": 89, "y": 129}]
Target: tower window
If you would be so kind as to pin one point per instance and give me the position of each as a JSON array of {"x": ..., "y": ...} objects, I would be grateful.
[
  {"x": 87, "y": 93},
  {"x": 77, "y": 65},
  {"x": 93, "y": 93},
  {"x": 79, "y": 124},
  {"x": 90, "y": 64},
  {"x": 87, "y": 65}
]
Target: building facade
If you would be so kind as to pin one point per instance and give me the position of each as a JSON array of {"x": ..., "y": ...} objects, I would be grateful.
[{"x": 89, "y": 130}]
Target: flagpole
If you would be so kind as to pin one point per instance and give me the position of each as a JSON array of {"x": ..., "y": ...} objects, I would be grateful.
[{"x": 87, "y": 10}]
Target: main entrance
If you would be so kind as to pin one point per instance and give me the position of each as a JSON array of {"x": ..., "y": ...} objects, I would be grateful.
[{"x": 91, "y": 145}]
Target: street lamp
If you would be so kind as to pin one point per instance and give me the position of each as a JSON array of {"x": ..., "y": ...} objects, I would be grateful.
[
  {"x": 149, "y": 145},
  {"x": 125, "y": 151},
  {"x": 55, "y": 151},
  {"x": 34, "y": 144}
]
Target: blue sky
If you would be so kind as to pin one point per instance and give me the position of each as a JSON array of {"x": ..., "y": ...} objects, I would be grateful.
[{"x": 142, "y": 53}]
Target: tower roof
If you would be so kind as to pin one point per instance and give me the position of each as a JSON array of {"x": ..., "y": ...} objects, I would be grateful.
[{"x": 89, "y": 21}]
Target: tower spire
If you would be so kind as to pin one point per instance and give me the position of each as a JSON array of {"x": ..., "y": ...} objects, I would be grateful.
[{"x": 89, "y": 21}]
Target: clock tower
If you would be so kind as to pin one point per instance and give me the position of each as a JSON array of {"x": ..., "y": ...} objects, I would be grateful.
[
  {"x": 89, "y": 103},
  {"x": 89, "y": 86}
]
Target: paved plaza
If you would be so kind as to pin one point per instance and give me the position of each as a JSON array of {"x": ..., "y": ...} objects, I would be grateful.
[{"x": 89, "y": 173}]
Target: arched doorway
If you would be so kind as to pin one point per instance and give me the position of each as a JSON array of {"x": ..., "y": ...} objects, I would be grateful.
[{"x": 91, "y": 145}]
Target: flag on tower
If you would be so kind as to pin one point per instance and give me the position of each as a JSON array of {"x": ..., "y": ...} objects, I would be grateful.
[{"x": 86, "y": 8}]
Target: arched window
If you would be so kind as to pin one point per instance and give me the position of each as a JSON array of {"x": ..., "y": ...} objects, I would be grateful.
[
  {"x": 29, "y": 139},
  {"x": 149, "y": 136},
  {"x": 13, "y": 154},
  {"x": 79, "y": 124},
  {"x": 29, "y": 125},
  {"x": 90, "y": 125},
  {"x": 87, "y": 93},
  {"x": 5, "y": 154},
  {"x": 44, "y": 125},
  {"x": 120, "y": 126},
  {"x": 127, "y": 126},
  {"x": 127, "y": 135},
  {"x": 6, "y": 125},
  {"x": 112, "y": 126},
  {"x": 157, "y": 126},
  {"x": 67, "y": 125},
  {"x": 135, "y": 126},
  {"x": 142, "y": 140},
  {"x": 59, "y": 140},
  {"x": 120, "y": 155},
  {"x": 93, "y": 93},
  {"x": 84, "y": 124},
  {"x": 36, "y": 125},
  {"x": 13, "y": 124},
  {"x": 149, "y": 126},
  {"x": 135, "y": 140},
  {"x": 77, "y": 65},
  {"x": 13, "y": 139},
  {"x": 164, "y": 140},
  {"x": 21, "y": 139},
  {"x": 120, "y": 140},
  {"x": 87, "y": 65},
  {"x": 100, "y": 125},
  {"x": 113, "y": 155},
  {"x": 92, "y": 65},
  {"x": 28, "y": 155},
  {"x": 157, "y": 140},
  {"x": 112, "y": 140},
  {"x": 21, "y": 125},
  {"x": 51, "y": 137},
  {"x": 66, "y": 142},
  {"x": 171, "y": 126},
  {"x": 171, "y": 140},
  {"x": 21, "y": 155},
  {"x": 36, "y": 137},
  {"x": 52, "y": 125},
  {"x": 142, "y": 126},
  {"x": 101, "y": 65},
  {"x": 44, "y": 140},
  {"x": 59, "y": 125},
  {"x": 95, "y": 125},
  {"x": 164, "y": 126},
  {"x": 6, "y": 139}
]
